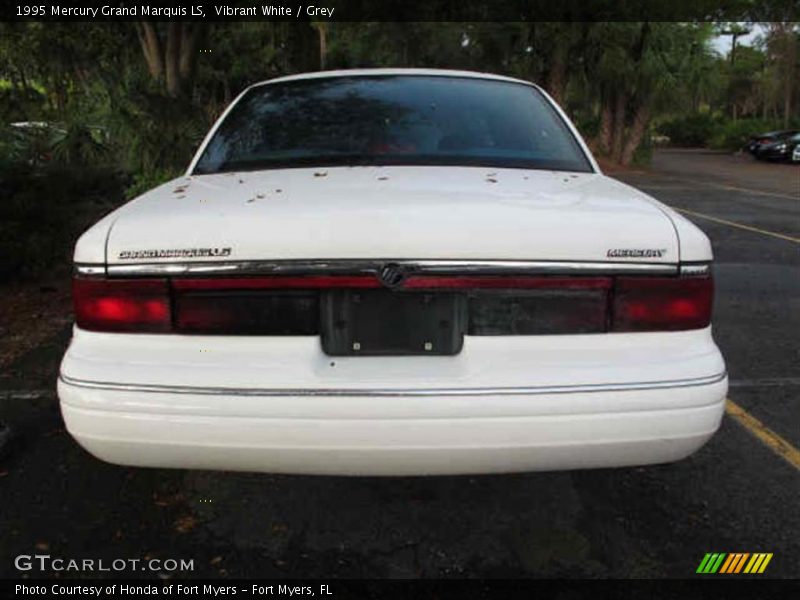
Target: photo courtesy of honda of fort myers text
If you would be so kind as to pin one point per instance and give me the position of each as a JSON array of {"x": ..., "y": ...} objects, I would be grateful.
[
  {"x": 353, "y": 299},
  {"x": 172, "y": 590}
]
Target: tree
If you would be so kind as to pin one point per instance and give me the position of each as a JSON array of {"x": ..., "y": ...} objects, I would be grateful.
[
  {"x": 637, "y": 70},
  {"x": 171, "y": 52},
  {"x": 781, "y": 45},
  {"x": 322, "y": 32}
]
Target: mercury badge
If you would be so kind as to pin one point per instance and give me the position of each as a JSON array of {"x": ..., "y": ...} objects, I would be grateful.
[{"x": 392, "y": 275}]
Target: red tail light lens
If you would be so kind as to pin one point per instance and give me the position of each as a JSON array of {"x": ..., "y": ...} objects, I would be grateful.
[
  {"x": 662, "y": 303},
  {"x": 286, "y": 282},
  {"x": 140, "y": 305},
  {"x": 290, "y": 305},
  {"x": 505, "y": 282},
  {"x": 529, "y": 305},
  {"x": 232, "y": 312}
]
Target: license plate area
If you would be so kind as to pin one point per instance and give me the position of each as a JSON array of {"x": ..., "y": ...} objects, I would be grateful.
[{"x": 392, "y": 323}]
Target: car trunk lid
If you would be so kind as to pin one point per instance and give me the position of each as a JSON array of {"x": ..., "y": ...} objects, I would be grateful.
[{"x": 393, "y": 213}]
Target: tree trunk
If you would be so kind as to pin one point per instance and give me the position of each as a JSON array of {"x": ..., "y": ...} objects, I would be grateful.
[
  {"x": 151, "y": 47},
  {"x": 641, "y": 120},
  {"x": 618, "y": 129},
  {"x": 556, "y": 82},
  {"x": 322, "y": 31},
  {"x": 789, "y": 80},
  {"x": 172, "y": 59},
  {"x": 227, "y": 95},
  {"x": 192, "y": 35},
  {"x": 606, "y": 125}
]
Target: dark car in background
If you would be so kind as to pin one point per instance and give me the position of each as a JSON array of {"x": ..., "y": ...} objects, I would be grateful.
[
  {"x": 759, "y": 141},
  {"x": 784, "y": 149}
]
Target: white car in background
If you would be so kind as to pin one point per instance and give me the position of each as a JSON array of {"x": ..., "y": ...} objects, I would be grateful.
[{"x": 393, "y": 272}]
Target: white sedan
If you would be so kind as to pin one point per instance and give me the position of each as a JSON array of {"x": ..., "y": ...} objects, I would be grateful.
[{"x": 393, "y": 272}]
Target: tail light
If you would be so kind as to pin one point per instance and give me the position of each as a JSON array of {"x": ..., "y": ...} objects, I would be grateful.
[
  {"x": 290, "y": 305},
  {"x": 528, "y": 305},
  {"x": 274, "y": 305},
  {"x": 662, "y": 303},
  {"x": 134, "y": 305},
  {"x": 232, "y": 312}
]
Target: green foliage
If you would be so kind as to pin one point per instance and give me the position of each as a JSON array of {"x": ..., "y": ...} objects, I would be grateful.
[
  {"x": 80, "y": 146},
  {"x": 587, "y": 124},
  {"x": 28, "y": 143},
  {"x": 15, "y": 104},
  {"x": 113, "y": 106},
  {"x": 12, "y": 146},
  {"x": 733, "y": 135},
  {"x": 644, "y": 153},
  {"x": 147, "y": 180},
  {"x": 405, "y": 44},
  {"x": 691, "y": 130},
  {"x": 718, "y": 132},
  {"x": 151, "y": 132}
]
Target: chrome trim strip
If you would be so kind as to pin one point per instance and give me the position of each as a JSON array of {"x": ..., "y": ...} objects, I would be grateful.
[
  {"x": 356, "y": 266},
  {"x": 370, "y": 392},
  {"x": 89, "y": 270},
  {"x": 695, "y": 270}
]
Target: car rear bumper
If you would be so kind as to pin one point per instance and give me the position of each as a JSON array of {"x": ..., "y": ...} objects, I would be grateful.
[
  {"x": 504, "y": 403},
  {"x": 558, "y": 430},
  {"x": 775, "y": 155}
]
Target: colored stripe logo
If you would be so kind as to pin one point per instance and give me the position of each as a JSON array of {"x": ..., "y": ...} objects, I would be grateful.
[{"x": 734, "y": 562}]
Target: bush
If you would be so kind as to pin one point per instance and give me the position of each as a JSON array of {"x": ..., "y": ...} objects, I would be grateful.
[
  {"x": 43, "y": 210},
  {"x": 644, "y": 153},
  {"x": 734, "y": 135},
  {"x": 80, "y": 145},
  {"x": 718, "y": 133},
  {"x": 153, "y": 134},
  {"x": 29, "y": 144},
  {"x": 589, "y": 127},
  {"x": 17, "y": 105},
  {"x": 142, "y": 182},
  {"x": 692, "y": 130}
]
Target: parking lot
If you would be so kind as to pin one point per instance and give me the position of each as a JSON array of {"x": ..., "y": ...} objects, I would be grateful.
[{"x": 738, "y": 494}]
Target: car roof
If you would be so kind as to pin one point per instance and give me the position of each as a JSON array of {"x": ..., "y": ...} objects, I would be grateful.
[
  {"x": 780, "y": 132},
  {"x": 394, "y": 72}
]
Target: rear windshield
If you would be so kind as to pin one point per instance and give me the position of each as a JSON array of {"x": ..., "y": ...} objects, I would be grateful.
[{"x": 393, "y": 120}]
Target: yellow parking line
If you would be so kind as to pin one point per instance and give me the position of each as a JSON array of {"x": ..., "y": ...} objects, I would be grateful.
[
  {"x": 772, "y": 440},
  {"x": 780, "y": 236}
]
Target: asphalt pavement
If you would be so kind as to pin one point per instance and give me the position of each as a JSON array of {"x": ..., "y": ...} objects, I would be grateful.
[{"x": 737, "y": 494}]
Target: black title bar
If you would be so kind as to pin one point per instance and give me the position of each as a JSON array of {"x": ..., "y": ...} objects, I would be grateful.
[{"x": 400, "y": 10}]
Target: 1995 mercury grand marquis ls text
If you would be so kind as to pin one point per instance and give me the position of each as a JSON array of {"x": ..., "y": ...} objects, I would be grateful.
[{"x": 389, "y": 272}]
